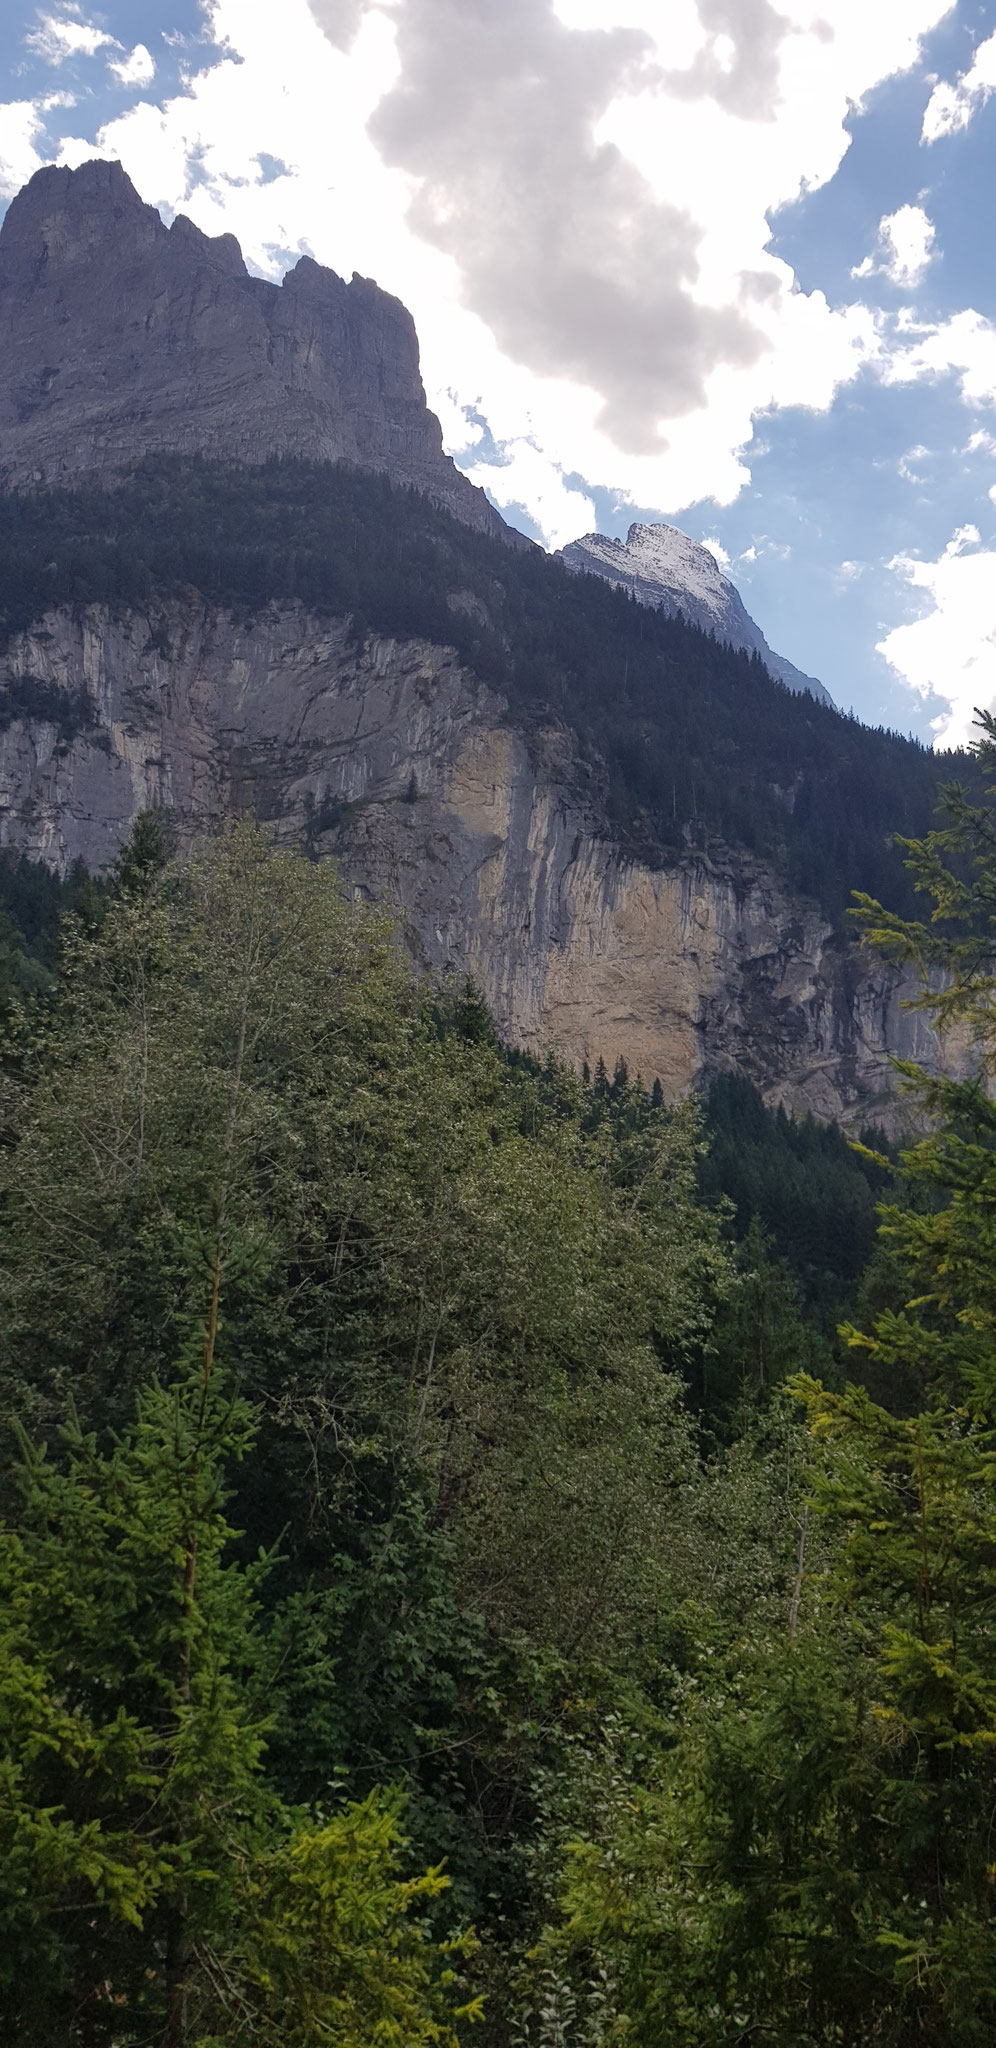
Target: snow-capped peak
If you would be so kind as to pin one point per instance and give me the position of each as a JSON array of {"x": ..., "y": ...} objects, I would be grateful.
[{"x": 666, "y": 569}]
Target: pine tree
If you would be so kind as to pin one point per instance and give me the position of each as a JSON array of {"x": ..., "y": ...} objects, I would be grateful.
[{"x": 152, "y": 1884}]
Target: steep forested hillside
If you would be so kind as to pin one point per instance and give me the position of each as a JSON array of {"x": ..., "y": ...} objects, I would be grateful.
[
  {"x": 275, "y": 1237},
  {"x": 32, "y": 901},
  {"x": 694, "y": 743},
  {"x": 448, "y": 1591},
  {"x": 802, "y": 1182},
  {"x": 438, "y": 1600}
]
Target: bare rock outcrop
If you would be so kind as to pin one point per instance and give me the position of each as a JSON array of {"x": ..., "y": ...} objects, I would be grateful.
[
  {"x": 488, "y": 844},
  {"x": 121, "y": 338}
]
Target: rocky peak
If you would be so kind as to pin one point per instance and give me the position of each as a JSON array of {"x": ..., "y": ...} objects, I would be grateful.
[
  {"x": 64, "y": 218},
  {"x": 222, "y": 252},
  {"x": 665, "y": 568},
  {"x": 121, "y": 337}
]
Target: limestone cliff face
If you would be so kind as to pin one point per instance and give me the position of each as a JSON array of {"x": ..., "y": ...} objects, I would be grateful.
[
  {"x": 120, "y": 338},
  {"x": 489, "y": 846}
]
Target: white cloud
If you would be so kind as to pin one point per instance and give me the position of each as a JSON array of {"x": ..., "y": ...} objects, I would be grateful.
[
  {"x": 951, "y": 651},
  {"x": 137, "y": 68},
  {"x": 598, "y": 287},
  {"x": 904, "y": 248},
  {"x": 22, "y": 128},
  {"x": 980, "y": 443},
  {"x": 61, "y": 36},
  {"x": 718, "y": 552},
  {"x": 578, "y": 267},
  {"x": 527, "y": 477},
  {"x": 951, "y": 107},
  {"x": 460, "y": 431},
  {"x": 909, "y": 464},
  {"x": 686, "y": 35},
  {"x": 21, "y": 123},
  {"x": 964, "y": 346}
]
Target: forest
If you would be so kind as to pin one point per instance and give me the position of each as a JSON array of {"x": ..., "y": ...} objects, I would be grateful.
[
  {"x": 686, "y": 743},
  {"x": 486, "y": 1555}
]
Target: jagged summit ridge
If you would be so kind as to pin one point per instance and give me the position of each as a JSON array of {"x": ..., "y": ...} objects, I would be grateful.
[
  {"x": 665, "y": 568},
  {"x": 121, "y": 337}
]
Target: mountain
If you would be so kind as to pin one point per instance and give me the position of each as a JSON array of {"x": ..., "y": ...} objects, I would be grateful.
[
  {"x": 120, "y": 337},
  {"x": 636, "y": 841},
  {"x": 663, "y": 567},
  {"x": 488, "y": 842},
  {"x": 219, "y": 592}
]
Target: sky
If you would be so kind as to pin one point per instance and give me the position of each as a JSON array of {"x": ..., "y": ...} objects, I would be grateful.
[{"x": 727, "y": 263}]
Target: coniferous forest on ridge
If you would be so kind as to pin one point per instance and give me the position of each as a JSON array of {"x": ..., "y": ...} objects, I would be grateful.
[
  {"x": 486, "y": 1555},
  {"x": 692, "y": 740}
]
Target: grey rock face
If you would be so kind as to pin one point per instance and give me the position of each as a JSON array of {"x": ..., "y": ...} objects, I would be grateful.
[
  {"x": 490, "y": 847},
  {"x": 121, "y": 338},
  {"x": 664, "y": 568}
]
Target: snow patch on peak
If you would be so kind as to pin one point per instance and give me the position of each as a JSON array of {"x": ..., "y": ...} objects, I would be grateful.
[
  {"x": 680, "y": 561},
  {"x": 666, "y": 569}
]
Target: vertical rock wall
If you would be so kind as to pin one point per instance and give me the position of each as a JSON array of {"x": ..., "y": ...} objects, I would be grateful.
[
  {"x": 121, "y": 338},
  {"x": 490, "y": 848}
]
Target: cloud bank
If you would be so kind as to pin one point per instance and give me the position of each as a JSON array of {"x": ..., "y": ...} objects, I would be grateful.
[
  {"x": 577, "y": 268},
  {"x": 21, "y": 123},
  {"x": 950, "y": 652}
]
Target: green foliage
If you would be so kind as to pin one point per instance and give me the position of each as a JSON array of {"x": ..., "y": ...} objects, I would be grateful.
[
  {"x": 335, "y": 1952},
  {"x": 454, "y": 1297},
  {"x": 942, "y": 1337},
  {"x": 126, "y": 1745},
  {"x": 685, "y": 741},
  {"x": 760, "y": 1336},
  {"x": 152, "y": 1885},
  {"x": 384, "y": 1534},
  {"x": 916, "y": 1496},
  {"x": 802, "y": 1182},
  {"x": 32, "y": 901},
  {"x": 804, "y": 1852},
  {"x": 383, "y": 1473}
]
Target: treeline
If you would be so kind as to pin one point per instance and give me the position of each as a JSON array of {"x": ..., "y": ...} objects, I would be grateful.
[
  {"x": 803, "y": 1183},
  {"x": 687, "y": 742},
  {"x": 32, "y": 902}
]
